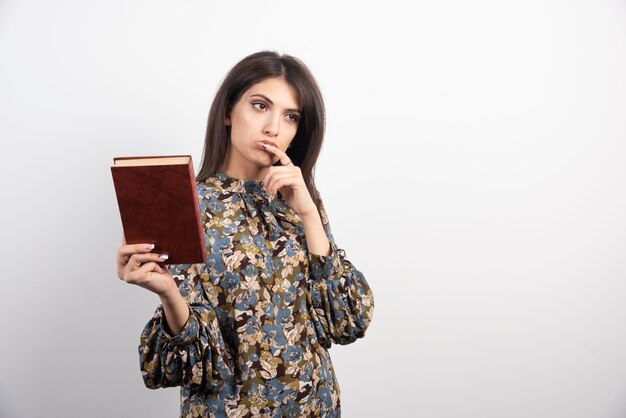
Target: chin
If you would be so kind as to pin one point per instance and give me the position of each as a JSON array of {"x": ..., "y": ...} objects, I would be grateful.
[{"x": 265, "y": 163}]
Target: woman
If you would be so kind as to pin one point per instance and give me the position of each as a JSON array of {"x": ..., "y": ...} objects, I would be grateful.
[{"x": 246, "y": 333}]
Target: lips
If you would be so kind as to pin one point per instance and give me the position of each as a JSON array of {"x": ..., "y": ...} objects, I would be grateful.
[{"x": 265, "y": 141}]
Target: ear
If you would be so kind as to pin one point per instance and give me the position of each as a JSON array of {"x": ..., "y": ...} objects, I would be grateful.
[{"x": 227, "y": 121}]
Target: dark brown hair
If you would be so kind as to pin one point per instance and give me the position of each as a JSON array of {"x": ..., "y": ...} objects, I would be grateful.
[{"x": 306, "y": 144}]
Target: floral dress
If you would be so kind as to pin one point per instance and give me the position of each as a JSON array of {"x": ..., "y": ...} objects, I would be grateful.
[{"x": 263, "y": 313}]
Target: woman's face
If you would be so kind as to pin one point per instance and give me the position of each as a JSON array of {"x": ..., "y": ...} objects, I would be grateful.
[{"x": 269, "y": 111}]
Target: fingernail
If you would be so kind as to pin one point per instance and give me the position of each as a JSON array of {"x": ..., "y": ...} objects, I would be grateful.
[
  {"x": 164, "y": 256},
  {"x": 149, "y": 247}
]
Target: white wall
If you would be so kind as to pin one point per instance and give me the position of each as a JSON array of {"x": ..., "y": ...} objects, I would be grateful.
[{"x": 474, "y": 171}]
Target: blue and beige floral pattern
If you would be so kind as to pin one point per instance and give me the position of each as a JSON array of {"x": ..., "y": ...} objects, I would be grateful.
[{"x": 263, "y": 313}]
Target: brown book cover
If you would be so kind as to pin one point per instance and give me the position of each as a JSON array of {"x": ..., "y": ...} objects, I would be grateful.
[{"x": 158, "y": 204}]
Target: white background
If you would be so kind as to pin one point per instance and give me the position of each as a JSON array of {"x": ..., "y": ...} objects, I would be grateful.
[{"x": 474, "y": 170}]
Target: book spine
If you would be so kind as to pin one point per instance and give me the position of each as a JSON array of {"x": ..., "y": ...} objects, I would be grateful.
[{"x": 194, "y": 193}]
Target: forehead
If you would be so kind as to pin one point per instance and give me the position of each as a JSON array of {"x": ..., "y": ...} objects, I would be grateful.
[{"x": 278, "y": 91}]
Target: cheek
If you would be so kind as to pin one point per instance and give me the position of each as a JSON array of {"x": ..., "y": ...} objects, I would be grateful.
[
  {"x": 289, "y": 133},
  {"x": 241, "y": 125},
  {"x": 242, "y": 119}
]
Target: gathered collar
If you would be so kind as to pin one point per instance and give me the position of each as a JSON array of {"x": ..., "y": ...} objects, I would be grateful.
[
  {"x": 253, "y": 198},
  {"x": 224, "y": 183}
]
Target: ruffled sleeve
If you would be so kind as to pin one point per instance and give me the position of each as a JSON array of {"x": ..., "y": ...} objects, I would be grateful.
[
  {"x": 340, "y": 301},
  {"x": 197, "y": 355}
]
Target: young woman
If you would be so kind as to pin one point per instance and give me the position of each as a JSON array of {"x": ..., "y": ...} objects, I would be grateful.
[{"x": 247, "y": 333}]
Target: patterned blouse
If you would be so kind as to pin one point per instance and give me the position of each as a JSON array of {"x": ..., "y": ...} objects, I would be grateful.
[{"x": 263, "y": 313}]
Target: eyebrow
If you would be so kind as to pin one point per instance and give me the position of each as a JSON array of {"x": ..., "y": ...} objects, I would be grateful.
[{"x": 271, "y": 102}]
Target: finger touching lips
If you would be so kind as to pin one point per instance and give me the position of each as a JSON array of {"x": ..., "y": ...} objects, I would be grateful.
[{"x": 264, "y": 143}]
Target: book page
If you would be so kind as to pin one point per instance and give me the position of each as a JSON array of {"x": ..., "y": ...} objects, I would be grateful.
[{"x": 152, "y": 161}]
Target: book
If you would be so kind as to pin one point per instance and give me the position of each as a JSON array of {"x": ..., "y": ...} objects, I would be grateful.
[{"x": 158, "y": 204}]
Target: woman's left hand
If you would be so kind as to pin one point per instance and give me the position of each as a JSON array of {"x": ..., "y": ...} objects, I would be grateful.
[{"x": 289, "y": 181}]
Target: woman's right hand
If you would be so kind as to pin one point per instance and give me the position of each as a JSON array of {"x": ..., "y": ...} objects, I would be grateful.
[{"x": 137, "y": 265}]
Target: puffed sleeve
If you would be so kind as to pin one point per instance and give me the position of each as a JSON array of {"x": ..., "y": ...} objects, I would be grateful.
[
  {"x": 197, "y": 355},
  {"x": 340, "y": 301}
]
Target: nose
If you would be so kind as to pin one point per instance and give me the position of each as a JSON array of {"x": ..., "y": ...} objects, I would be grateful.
[{"x": 272, "y": 124}]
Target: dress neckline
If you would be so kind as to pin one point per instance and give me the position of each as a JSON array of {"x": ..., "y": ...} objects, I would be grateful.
[{"x": 232, "y": 184}]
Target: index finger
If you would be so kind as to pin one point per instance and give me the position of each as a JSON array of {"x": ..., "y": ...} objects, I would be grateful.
[
  {"x": 282, "y": 155},
  {"x": 128, "y": 250}
]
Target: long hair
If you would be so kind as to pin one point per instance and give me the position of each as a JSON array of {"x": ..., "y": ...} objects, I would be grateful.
[{"x": 307, "y": 143}]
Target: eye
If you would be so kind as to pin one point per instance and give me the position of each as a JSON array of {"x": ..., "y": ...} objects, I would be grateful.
[
  {"x": 259, "y": 105},
  {"x": 293, "y": 117}
]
